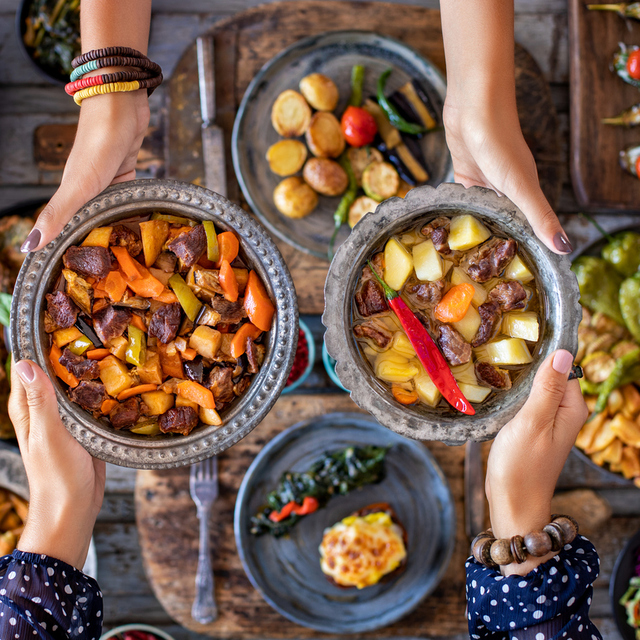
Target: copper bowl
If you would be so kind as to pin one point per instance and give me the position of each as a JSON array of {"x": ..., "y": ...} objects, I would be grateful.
[{"x": 41, "y": 271}]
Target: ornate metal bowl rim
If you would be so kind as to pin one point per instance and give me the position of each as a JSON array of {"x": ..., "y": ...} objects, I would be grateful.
[{"x": 123, "y": 201}]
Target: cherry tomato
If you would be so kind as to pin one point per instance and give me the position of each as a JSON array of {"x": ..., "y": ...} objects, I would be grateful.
[
  {"x": 358, "y": 127},
  {"x": 633, "y": 64},
  {"x": 638, "y": 167}
]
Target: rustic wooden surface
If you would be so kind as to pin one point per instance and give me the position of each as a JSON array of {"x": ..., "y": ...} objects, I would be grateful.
[
  {"x": 596, "y": 93},
  {"x": 27, "y": 103}
]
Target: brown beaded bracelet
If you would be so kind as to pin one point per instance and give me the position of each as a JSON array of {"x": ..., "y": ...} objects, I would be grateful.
[
  {"x": 94, "y": 54},
  {"x": 492, "y": 552}
]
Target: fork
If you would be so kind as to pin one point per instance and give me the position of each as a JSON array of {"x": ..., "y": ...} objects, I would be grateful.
[{"x": 203, "y": 485}]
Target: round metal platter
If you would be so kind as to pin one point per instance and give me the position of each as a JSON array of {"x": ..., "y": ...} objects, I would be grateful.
[
  {"x": 332, "y": 54},
  {"x": 287, "y": 571},
  {"x": 623, "y": 571}
]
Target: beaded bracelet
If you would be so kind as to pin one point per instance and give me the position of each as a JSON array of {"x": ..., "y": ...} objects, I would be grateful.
[
  {"x": 94, "y": 54},
  {"x": 116, "y": 87},
  {"x": 106, "y": 78},
  {"x": 492, "y": 552},
  {"x": 115, "y": 61}
]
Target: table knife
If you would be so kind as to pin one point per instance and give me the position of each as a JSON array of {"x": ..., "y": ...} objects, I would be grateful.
[
  {"x": 473, "y": 489},
  {"x": 215, "y": 174}
]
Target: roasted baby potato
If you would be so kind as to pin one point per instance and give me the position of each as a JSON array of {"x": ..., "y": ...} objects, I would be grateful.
[
  {"x": 325, "y": 176},
  {"x": 324, "y": 136},
  {"x": 360, "y": 158},
  {"x": 290, "y": 114},
  {"x": 360, "y": 208},
  {"x": 380, "y": 181},
  {"x": 320, "y": 92},
  {"x": 294, "y": 198},
  {"x": 286, "y": 157}
]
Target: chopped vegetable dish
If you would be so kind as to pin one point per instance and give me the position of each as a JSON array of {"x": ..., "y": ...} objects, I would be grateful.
[{"x": 631, "y": 599}]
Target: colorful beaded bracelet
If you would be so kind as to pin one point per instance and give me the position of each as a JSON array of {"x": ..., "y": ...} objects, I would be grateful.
[
  {"x": 492, "y": 552},
  {"x": 106, "y": 78},
  {"x": 115, "y": 61},
  {"x": 94, "y": 54},
  {"x": 116, "y": 87}
]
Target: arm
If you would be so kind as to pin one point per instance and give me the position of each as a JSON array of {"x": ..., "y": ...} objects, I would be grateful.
[
  {"x": 111, "y": 127},
  {"x": 480, "y": 114}
]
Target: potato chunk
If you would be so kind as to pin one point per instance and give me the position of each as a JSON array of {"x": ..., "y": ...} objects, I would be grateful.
[
  {"x": 320, "y": 91},
  {"x": 206, "y": 341},
  {"x": 466, "y": 232},
  {"x": 324, "y": 135},
  {"x": 427, "y": 391},
  {"x": 294, "y": 198},
  {"x": 286, "y": 157},
  {"x": 473, "y": 392},
  {"x": 325, "y": 176},
  {"x": 517, "y": 270},
  {"x": 158, "y": 402},
  {"x": 469, "y": 325},
  {"x": 98, "y": 237},
  {"x": 521, "y": 325},
  {"x": 504, "y": 352},
  {"x": 458, "y": 276},
  {"x": 290, "y": 114},
  {"x": 114, "y": 375},
  {"x": 359, "y": 209},
  {"x": 427, "y": 262},
  {"x": 209, "y": 417},
  {"x": 154, "y": 234},
  {"x": 398, "y": 264}
]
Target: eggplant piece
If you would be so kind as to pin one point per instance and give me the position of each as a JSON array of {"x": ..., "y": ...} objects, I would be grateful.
[
  {"x": 405, "y": 109},
  {"x": 88, "y": 331},
  {"x": 133, "y": 302},
  {"x": 194, "y": 369},
  {"x": 391, "y": 156},
  {"x": 410, "y": 151},
  {"x": 423, "y": 99},
  {"x": 387, "y": 131}
]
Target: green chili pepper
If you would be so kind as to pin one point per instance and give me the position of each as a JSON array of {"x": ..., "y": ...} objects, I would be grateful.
[
  {"x": 628, "y": 118},
  {"x": 80, "y": 346},
  {"x": 7, "y": 368},
  {"x": 187, "y": 299},
  {"x": 616, "y": 379},
  {"x": 342, "y": 212},
  {"x": 630, "y": 304},
  {"x": 147, "y": 428},
  {"x": 136, "y": 352},
  {"x": 213, "y": 251},
  {"x": 599, "y": 284},
  {"x": 623, "y": 253},
  {"x": 357, "y": 84},
  {"x": 590, "y": 388},
  {"x": 620, "y": 58},
  {"x": 623, "y": 9},
  {"x": 390, "y": 111}
]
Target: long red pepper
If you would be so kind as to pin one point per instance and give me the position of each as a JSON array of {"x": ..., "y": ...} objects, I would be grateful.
[
  {"x": 309, "y": 505},
  {"x": 426, "y": 350}
]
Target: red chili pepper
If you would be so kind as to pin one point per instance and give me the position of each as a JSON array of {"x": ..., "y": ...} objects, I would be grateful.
[
  {"x": 309, "y": 505},
  {"x": 426, "y": 350}
]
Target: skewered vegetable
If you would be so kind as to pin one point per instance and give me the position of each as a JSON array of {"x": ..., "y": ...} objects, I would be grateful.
[
  {"x": 325, "y": 176},
  {"x": 324, "y": 135},
  {"x": 620, "y": 60},
  {"x": 294, "y": 198},
  {"x": 628, "y": 118},
  {"x": 286, "y": 157},
  {"x": 319, "y": 91},
  {"x": 290, "y": 114},
  {"x": 623, "y": 9}
]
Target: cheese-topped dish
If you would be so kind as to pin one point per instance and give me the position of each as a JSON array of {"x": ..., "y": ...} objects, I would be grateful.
[{"x": 362, "y": 548}]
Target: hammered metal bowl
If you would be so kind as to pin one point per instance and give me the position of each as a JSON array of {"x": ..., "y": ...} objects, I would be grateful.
[
  {"x": 556, "y": 284},
  {"x": 41, "y": 270}
]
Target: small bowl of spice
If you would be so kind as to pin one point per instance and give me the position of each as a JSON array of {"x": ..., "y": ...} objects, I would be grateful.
[{"x": 304, "y": 359}]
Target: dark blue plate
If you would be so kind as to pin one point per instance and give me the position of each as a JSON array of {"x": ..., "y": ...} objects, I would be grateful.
[
  {"x": 286, "y": 571},
  {"x": 623, "y": 571}
]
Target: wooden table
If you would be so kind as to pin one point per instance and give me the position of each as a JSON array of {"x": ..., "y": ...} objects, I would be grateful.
[{"x": 32, "y": 110}]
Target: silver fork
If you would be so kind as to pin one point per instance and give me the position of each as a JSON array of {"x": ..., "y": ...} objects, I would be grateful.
[{"x": 203, "y": 484}]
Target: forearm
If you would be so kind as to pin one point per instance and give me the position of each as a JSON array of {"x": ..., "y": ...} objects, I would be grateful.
[{"x": 115, "y": 23}]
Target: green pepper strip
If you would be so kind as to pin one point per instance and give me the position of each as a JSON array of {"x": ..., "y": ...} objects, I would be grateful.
[
  {"x": 341, "y": 213},
  {"x": 137, "y": 349},
  {"x": 357, "y": 84},
  {"x": 615, "y": 379},
  {"x": 213, "y": 250},
  {"x": 390, "y": 111}
]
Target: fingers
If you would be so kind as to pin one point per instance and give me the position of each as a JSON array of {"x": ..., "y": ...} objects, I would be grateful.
[
  {"x": 18, "y": 411},
  {"x": 572, "y": 414}
]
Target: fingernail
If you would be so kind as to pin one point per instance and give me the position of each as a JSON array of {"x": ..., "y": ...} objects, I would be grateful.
[
  {"x": 562, "y": 361},
  {"x": 25, "y": 371},
  {"x": 32, "y": 241},
  {"x": 561, "y": 243}
]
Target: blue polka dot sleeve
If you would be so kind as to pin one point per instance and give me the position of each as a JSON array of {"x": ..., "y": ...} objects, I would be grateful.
[
  {"x": 47, "y": 599},
  {"x": 550, "y": 603}
]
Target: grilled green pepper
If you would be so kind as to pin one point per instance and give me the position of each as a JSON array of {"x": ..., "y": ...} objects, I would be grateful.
[
  {"x": 187, "y": 299},
  {"x": 357, "y": 84},
  {"x": 213, "y": 251},
  {"x": 616, "y": 379},
  {"x": 80, "y": 346},
  {"x": 136, "y": 353},
  {"x": 599, "y": 284},
  {"x": 623, "y": 253},
  {"x": 629, "y": 160},
  {"x": 392, "y": 113},
  {"x": 623, "y": 9},
  {"x": 342, "y": 212},
  {"x": 628, "y": 118},
  {"x": 630, "y": 304},
  {"x": 620, "y": 58},
  {"x": 147, "y": 428}
]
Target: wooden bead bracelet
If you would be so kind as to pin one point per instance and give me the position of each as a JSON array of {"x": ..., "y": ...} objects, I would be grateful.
[
  {"x": 492, "y": 552},
  {"x": 116, "y": 87},
  {"x": 115, "y": 61},
  {"x": 107, "y": 78},
  {"x": 107, "y": 52}
]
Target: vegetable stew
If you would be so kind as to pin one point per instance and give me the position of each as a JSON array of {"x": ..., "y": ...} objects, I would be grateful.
[
  {"x": 475, "y": 295},
  {"x": 157, "y": 325}
]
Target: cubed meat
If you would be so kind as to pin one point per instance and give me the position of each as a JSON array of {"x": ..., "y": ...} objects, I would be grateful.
[
  {"x": 252, "y": 356},
  {"x": 122, "y": 236},
  {"x": 165, "y": 323},
  {"x": 125, "y": 414},
  {"x": 89, "y": 395},
  {"x": 190, "y": 246},
  {"x": 454, "y": 347},
  {"x": 492, "y": 376},
  {"x": 489, "y": 259},
  {"x": 374, "y": 331},
  {"x": 425, "y": 294},
  {"x": 178, "y": 420},
  {"x": 62, "y": 311},
  {"x": 80, "y": 367},
  {"x": 438, "y": 231},
  {"x": 370, "y": 299},
  {"x": 92, "y": 262},
  {"x": 242, "y": 385},
  {"x": 230, "y": 312},
  {"x": 378, "y": 264},
  {"x": 490, "y": 317},
  {"x": 220, "y": 383},
  {"x": 509, "y": 295},
  {"x": 110, "y": 323}
]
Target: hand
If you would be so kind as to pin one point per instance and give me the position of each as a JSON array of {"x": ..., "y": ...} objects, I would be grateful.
[
  {"x": 488, "y": 149},
  {"x": 66, "y": 484},
  {"x": 110, "y": 132},
  {"x": 529, "y": 452}
]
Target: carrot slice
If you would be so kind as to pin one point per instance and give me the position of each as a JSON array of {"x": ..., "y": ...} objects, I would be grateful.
[
  {"x": 196, "y": 393},
  {"x": 167, "y": 296},
  {"x": 97, "y": 354},
  {"x": 402, "y": 395},
  {"x": 107, "y": 405},
  {"x": 146, "y": 285},
  {"x": 455, "y": 303},
  {"x": 138, "y": 322},
  {"x": 228, "y": 281},
  {"x": 257, "y": 304},
  {"x": 66, "y": 376},
  {"x": 239, "y": 340},
  {"x": 189, "y": 353},
  {"x": 100, "y": 294},
  {"x": 115, "y": 285},
  {"x": 136, "y": 391},
  {"x": 228, "y": 246},
  {"x": 205, "y": 263},
  {"x": 100, "y": 304},
  {"x": 129, "y": 266}
]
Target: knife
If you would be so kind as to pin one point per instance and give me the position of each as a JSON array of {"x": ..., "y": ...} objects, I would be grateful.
[
  {"x": 215, "y": 174},
  {"x": 473, "y": 489}
]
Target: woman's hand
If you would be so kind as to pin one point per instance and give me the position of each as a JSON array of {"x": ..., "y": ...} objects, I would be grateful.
[
  {"x": 66, "y": 484},
  {"x": 110, "y": 132},
  {"x": 529, "y": 452}
]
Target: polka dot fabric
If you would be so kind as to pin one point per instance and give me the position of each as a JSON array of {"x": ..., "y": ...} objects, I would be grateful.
[
  {"x": 47, "y": 599},
  {"x": 550, "y": 603}
]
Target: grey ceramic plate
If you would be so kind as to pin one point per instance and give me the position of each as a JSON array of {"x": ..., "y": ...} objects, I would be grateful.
[
  {"x": 287, "y": 572},
  {"x": 333, "y": 54}
]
